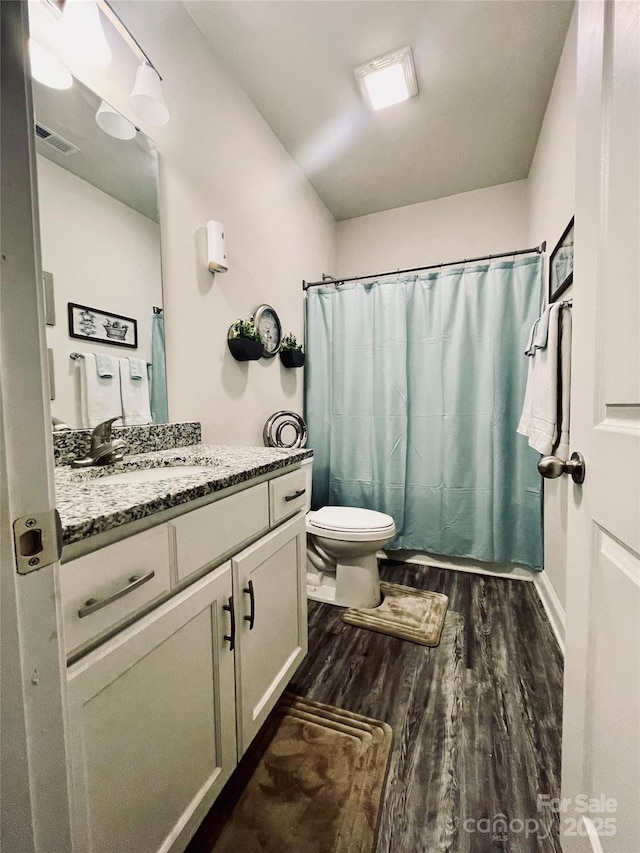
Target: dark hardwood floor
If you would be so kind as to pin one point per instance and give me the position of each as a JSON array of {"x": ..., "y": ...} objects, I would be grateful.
[{"x": 476, "y": 721}]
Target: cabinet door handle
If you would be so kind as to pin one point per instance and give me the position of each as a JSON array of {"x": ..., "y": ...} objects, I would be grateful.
[
  {"x": 231, "y": 639},
  {"x": 295, "y": 495},
  {"x": 251, "y": 618},
  {"x": 93, "y": 604}
]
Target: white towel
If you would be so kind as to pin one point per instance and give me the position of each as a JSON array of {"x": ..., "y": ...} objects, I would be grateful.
[
  {"x": 539, "y": 333},
  {"x": 106, "y": 365},
  {"x": 135, "y": 396},
  {"x": 539, "y": 418},
  {"x": 137, "y": 368},
  {"x": 99, "y": 396}
]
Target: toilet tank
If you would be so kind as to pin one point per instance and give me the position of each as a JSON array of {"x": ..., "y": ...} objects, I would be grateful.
[{"x": 307, "y": 467}]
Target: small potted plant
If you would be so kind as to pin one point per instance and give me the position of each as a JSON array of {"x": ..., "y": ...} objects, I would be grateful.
[
  {"x": 244, "y": 341},
  {"x": 291, "y": 354}
]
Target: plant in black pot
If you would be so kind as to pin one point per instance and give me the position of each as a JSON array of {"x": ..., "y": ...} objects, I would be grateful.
[
  {"x": 244, "y": 341},
  {"x": 291, "y": 354}
]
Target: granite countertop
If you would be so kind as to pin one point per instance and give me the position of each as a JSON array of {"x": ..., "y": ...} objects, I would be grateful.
[{"x": 89, "y": 504}]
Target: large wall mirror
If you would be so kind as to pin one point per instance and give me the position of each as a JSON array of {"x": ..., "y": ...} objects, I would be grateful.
[{"x": 100, "y": 235}]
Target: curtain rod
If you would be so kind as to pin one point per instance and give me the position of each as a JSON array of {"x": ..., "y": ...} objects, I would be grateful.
[{"x": 329, "y": 279}]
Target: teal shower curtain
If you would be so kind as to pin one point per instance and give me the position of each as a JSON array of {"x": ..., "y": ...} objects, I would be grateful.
[
  {"x": 159, "y": 407},
  {"x": 413, "y": 391}
]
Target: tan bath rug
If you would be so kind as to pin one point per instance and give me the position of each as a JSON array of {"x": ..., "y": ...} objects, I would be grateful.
[
  {"x": 405, "y": 612},
  {"x": 318, "y": 786}
]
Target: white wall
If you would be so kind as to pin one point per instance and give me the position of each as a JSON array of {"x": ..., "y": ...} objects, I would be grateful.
[
  {"x": 476, "y": 223},
  {"x": 219, "y": 160},
  {"x": 80, "y": 228},
  {"x": 551, "y": 206}
]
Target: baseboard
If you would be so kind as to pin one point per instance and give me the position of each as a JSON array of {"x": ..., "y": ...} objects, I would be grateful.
[
  {"x": 547, "y": 594},
  {"x": 462, "y": 564},
  {"x": 552, "y": 606}
]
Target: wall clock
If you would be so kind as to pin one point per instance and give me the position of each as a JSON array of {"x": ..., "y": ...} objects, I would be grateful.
[{"x": 267, "y": 323}]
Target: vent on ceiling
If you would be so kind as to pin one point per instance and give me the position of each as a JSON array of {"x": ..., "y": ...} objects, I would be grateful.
[{"x": 61, "y": 145}]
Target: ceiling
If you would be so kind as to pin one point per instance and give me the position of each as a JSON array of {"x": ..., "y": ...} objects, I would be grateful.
[{"x": 485, "y": 70}]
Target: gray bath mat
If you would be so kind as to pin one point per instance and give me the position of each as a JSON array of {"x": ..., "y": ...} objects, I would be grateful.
[{"x": 405, "y": 612}]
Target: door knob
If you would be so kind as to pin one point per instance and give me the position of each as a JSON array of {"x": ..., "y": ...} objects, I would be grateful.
[{"x": 551, "y": 467}]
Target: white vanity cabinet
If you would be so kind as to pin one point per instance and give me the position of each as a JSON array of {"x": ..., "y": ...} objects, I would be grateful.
[
  {"x": 270, "y": 597},
  {"x": 152, "y": 724},
  {"x": 161, "y": 712}
]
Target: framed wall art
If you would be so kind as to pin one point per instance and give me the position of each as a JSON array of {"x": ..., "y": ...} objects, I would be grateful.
[
  {"x": 561, "y": 264},
  {"x": 91, "y": 324}
]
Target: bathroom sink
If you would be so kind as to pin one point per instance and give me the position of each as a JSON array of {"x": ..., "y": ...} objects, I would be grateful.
[{"x": 151, "y": 475}]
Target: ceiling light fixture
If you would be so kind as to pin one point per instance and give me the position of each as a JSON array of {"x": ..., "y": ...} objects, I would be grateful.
[
  {"x": 388, "y": 80},
  {"x": 47, "y": 68}
]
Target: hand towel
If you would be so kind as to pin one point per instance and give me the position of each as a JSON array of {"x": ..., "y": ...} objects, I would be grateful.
[
  {"x": 106, "y": 365},
  {"x": 99, "y": 396},
  {"x": 135, "y": 396},
  {"x": 539, "y": 333},
  {"x": 539, "y": 420},
  {"x": 564, "y": 371},
  {"x": 542, "y": 332},
  {"x": 137, "y": 368}
]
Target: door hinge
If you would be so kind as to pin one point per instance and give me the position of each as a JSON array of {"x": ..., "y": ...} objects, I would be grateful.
[{"x": 37, "y": 540}]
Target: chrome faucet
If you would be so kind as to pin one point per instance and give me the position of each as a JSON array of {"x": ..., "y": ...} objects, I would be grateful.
[{"x": 104, "y": 450}]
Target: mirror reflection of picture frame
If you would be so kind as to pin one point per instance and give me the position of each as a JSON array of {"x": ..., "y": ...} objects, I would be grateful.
[
  {"x": 561, "y": 264},
  {"x": 91, "y": 324}
]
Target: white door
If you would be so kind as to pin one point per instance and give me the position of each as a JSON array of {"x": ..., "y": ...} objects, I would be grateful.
[
  {"x": 601, "y": 729},
  {"x": 34, "y": 800}
]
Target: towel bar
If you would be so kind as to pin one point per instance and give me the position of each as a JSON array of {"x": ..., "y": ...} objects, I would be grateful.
[{"x": 76, "y": 355}]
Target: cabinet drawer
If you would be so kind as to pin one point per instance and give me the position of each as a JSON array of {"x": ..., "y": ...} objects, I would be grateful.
[
  {"x": 99, "y": 590},
  {"x": 217, "y": 530},
  {"x": 287, "y": 495}
]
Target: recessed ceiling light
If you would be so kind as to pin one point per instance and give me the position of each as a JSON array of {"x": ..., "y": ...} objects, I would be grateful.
[{"x": 388, "y": 80}]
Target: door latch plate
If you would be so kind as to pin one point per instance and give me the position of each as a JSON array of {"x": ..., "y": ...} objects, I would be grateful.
[{"x": 37, "y": 540}]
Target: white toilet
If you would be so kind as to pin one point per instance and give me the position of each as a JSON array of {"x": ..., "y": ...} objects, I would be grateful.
[{"x": 342, "y": 544}]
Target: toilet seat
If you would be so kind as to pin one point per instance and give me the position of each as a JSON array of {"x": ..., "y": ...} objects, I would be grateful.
[{"x": 350, "y": 524}]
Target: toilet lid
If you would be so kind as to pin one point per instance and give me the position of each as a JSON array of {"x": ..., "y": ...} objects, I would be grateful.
[{"x": 350, "y": 518}]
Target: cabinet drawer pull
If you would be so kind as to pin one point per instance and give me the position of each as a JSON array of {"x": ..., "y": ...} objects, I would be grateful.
[
  {"x": 93, "y": 604},
  {"x": 231, "y": 638},
  {"x": 251, "y": 618},
  {"x": 295, "y": 495}
]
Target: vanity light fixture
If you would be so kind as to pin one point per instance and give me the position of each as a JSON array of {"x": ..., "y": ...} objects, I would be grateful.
[
  {"x": 82, "y": 35},
  {"x": 146, "y": 99},
  {"x": 114, "y": 123},
  {"x": 47, "y": 68},
  {"x": 388, "y": 80}
]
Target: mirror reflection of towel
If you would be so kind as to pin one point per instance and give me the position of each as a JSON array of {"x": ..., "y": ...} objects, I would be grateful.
[
  {"x": 99, "y": 396},
  {"x": 137, "y": 368},
  {"x": 106, "y": 365},
  {"x": 135, "y": 396}
]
